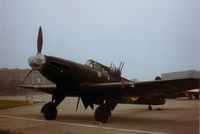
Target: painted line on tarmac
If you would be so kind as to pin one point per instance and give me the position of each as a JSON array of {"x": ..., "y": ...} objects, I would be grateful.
[{"x": 81, "y": 125}]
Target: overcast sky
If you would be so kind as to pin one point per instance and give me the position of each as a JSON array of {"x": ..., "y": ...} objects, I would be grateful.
[{"x": 150, "y": 36}]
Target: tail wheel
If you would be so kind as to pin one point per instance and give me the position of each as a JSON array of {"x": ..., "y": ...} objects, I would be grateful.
[
  {"x": 101, "y": 114},
  {"x": 149, "y": 107},
  {"x": 49, "y": 111}
]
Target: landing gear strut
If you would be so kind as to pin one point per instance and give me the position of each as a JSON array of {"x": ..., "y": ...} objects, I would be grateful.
[{"x": 49, "y": 110}]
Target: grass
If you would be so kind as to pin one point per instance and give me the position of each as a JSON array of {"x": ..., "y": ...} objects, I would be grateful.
[{"x": 4, "y": 104}]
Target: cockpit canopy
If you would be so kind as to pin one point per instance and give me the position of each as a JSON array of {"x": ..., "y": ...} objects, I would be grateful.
[
  {"x": 102, "y": 68},
  {"x": 97, "y": 66}
]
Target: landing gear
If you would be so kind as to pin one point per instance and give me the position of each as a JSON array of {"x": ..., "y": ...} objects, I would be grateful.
[
  {"x": 49, "y": 110},
  {"x": 149, "y": 107},
  {"x": 101, "y": 114}
]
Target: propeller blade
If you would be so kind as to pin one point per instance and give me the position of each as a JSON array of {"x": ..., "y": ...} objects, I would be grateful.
[
  {"x": 27, "y": 76},
  {"x": 39, "y": 41},
  {"x": 77, "y": 103}
]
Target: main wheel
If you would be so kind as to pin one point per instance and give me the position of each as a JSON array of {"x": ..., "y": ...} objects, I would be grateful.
[
  {"x": 101, "y": 114},
  {"x": 49, "y": 111}
]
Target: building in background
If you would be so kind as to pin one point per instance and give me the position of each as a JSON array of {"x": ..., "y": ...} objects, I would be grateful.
[{"x": 181, "y": 74}]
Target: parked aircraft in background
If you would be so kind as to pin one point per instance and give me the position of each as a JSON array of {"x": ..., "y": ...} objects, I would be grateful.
[
  {"x": 95, "y": 83},
  {"x": 190, "y": 94}
]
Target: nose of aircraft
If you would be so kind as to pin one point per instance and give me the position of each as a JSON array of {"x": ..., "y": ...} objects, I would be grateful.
[{"x": 37, "y": 61}]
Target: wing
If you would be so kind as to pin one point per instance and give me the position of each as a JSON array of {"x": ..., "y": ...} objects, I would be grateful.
[
  {"x": 46, "y": 89},
  {"x": 145, "y": 88},
  {"x": 163, "y": 87}
]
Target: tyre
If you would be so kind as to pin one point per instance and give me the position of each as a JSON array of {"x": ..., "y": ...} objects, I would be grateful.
[
  {"x": 49, "y": 111},
  {"x": 149, "y": 107},
  {"x": 101, "y": 114}
]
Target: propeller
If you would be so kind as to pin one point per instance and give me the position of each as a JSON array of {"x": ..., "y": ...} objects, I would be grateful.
[
  {"x": 39, "y": 41},
  {"x": 39, "y": 49},
  {"x": 27, "y": 76}
]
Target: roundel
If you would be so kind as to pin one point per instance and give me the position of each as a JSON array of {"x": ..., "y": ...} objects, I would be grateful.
[{"x": 134, "y": 98}]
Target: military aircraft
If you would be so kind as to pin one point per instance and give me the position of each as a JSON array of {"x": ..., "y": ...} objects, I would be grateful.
[{"x": 95, "y": 83}]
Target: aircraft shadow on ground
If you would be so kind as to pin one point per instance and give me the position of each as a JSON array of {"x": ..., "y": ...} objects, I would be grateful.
[{"x": 136, "y": 116}]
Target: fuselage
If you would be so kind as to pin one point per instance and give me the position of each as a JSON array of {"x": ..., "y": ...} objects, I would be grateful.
[{"x": 70, "y": 75}]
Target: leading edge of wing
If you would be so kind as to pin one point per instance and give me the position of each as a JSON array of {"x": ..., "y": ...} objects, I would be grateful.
[{"x": 45, "y": 88}]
